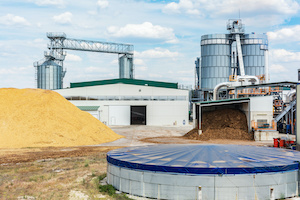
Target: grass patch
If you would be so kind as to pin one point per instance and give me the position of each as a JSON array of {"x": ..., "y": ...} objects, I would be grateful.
[
  {"x": 101, "y": 177},
  {"x": 110, "y": 190},
  {"x": 86, "y": 163}
]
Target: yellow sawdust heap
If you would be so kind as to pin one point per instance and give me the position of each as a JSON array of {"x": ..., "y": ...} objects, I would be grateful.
[{"x": 41, "y": 118}]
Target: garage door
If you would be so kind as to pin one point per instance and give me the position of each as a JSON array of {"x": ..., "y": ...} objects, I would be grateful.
[
  {"x": 138, "y": 115},
  {"x": 119, "y": 115}
]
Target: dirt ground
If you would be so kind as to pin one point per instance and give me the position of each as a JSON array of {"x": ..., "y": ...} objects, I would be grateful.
[{"x": 71, "y": 173}]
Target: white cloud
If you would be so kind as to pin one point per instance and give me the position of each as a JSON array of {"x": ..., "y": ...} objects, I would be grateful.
[
  {"x": 102, "y": 3},
  {"x": 258, "y": 6},
  {"x": 157, "y": 53},
  {"x": 262, "y": 9},
  {"x": 282, "y": 55},
  {"x": 283, "y": 65},
  {"x": 172, "y": 8},
  {"x": 11, "y": 19},
  {"x": 277, "y": 68},
  {"x": 73, "y": 58},
  {"x": 59, "y": 3},
  {"x": 145, "y": 30},
  {"x": 64, "y": 18},
  {"x": 14, "y": 70},
  {"x": 285, "y": 34},
  {"x": 183, "y": 6},
  {"x": 139, "y": 61}
]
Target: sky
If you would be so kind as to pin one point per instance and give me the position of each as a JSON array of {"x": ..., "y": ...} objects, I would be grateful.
[{"x": 166, "y": 36}]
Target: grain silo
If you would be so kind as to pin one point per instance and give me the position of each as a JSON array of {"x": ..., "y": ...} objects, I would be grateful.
[
  {"x": 206, "y": 172},
  {"x": 126, "y": 66},
  {"x": 50, "y": 75},
  {"x": 231, "y": 54}
]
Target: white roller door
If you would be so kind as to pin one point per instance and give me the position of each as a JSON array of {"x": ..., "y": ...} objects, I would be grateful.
[
  {"x": 119, "y": 115},
  {"x": 95, "y": 114}
]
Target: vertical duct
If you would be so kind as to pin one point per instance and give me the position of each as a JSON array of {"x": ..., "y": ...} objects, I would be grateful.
[{"x": 266, "y": 54}]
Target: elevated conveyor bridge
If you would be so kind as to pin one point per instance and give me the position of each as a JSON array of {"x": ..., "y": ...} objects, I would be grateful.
[{"x": 59, "y": 42}]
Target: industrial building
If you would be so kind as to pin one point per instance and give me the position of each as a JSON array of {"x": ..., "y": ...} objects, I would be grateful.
[
  {"x": 232, "y": 72},
  {"x": 225, "y": 57},
  {"x": 206, "y": 172},
  {"x": 131, "y": 101}
]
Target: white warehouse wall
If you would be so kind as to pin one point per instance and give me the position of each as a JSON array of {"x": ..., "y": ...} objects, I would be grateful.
[
  {"x": 261, "y": 108},
  {"x": 158, "y": 112}
]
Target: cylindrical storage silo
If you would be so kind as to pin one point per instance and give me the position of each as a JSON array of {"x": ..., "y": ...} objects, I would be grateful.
[
  {"x": 254, "y": 47},
  {"x": 206, "y": 172},
  {"x": 126, "y": 66},
  {"x": 49, "y": 76},
  {"x": 215, "y": 60}
]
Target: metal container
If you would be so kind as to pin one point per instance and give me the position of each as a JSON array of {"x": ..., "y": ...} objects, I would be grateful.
[
  {"x": 215, "y": 60},
  {"x": 126, "y": 66},
  {"x": 218, "y": 53},
  {"x": 204, "y": 172},
  {"x": 50, "y": 76},
  {"x": 254, "y": 47}
]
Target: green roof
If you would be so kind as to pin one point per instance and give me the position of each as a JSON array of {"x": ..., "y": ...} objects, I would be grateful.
[
  {"x": 88, "y": 108},
  {"x": 125, "y": 81}
]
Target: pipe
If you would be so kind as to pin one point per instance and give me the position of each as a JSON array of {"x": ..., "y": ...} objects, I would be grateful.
[
  {"x": 266, "y": 54},
  {"x": 247, "y": 77},
  {"x": 290, "y": 95},
  {"x": 217, "y": 87},
  {"x": 236, "y": 83}
]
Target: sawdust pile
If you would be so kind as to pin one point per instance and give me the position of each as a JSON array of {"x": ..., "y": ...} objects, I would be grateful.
[
  {"x": 222, "y": 124},
  {"x": 41, "y": 118}
]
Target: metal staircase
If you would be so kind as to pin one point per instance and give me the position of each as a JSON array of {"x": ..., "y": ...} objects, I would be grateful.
[{"x": 285, "y": 111}]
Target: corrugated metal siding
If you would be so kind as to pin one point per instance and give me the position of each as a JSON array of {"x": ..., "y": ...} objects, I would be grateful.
[
  {"x": 49, "y": 76},
  {"x": 126, "y": 81},
  {"x": 215, "y": 64},
  {"x": 88, "y": 108}
]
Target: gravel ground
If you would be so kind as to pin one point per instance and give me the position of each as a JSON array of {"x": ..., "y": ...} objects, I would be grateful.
[{"x": 134, "y": 134}]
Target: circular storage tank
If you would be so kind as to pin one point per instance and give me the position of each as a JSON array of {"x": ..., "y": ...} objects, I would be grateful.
[
  {"x": 49, "y": 76},
  {"x": 204, "y": 171},
  {"x": 215, "y": 60},
  {"x": 254, "y": 49}
]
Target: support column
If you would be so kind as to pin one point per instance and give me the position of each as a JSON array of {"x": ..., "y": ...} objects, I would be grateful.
[{"x": 298, "y": 116}]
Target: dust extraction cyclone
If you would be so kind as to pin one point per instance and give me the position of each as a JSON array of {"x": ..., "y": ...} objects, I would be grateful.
[{"x": 204, "y": 171}]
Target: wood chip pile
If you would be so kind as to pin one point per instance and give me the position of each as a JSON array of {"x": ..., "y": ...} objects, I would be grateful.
[
  {"x": 222, "y": 124},
  {"x": 43, "y": 118}
]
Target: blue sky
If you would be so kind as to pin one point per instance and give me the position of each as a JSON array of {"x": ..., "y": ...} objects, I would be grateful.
[{"x": 165, "y": 34}]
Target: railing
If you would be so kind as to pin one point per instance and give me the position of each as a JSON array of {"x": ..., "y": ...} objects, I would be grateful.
[
  {"x": 266, "y": 126},
  {"x": 56, "y": 35},
  {"x": 127, "y": 98}
]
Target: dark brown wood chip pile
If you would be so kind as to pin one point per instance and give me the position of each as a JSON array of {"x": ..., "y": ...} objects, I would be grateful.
[{"x": 222, "y": 124}]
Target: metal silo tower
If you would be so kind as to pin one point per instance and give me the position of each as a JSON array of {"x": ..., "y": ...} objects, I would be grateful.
[
  {"x": 50, "y": 72},
  {"x": 225, "y": 56}
]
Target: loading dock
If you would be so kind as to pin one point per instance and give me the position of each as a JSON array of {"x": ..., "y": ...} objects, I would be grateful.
[
  {"x": 138, "y": 115},
  {"x": 257, "y": 110}
]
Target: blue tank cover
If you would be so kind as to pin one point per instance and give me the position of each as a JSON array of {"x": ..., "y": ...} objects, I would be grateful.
[{"x": 205, "y": 159}]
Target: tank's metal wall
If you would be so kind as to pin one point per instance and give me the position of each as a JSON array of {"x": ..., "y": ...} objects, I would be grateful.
[
  {"x": 215, "y": 60},
  {"x": 183, "y": 187},
  {"x": 216, "y": 57},
  {"x": 126, "y": 67},
  {"x": 253, "y": 49},
  {"x": 49, "y": 76}
]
